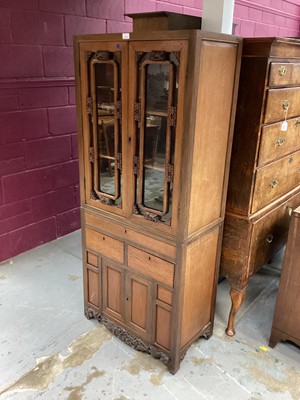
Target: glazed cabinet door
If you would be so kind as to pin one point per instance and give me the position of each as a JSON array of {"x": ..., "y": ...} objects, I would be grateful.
[
  {"x": 139, "y": 305},
  {"x": 103, "y": 83},
  {"x": 156, "y": 106}
]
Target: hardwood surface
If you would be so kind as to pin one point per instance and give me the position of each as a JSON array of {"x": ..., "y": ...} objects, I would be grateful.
[
  {"x": 264, "y": 182},
  {"x": 151, "y": 263},
  {"x": 286, "y": 320}
]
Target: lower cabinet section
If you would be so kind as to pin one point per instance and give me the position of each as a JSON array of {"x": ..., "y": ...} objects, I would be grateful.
[{"x": 134, "y": 294}]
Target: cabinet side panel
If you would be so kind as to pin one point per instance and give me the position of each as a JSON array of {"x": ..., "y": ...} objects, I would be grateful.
[
  {"x": 200, "y": 258},
  {"x": 212, "y": 132}
]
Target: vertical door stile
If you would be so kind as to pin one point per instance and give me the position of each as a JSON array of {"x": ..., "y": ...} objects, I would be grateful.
[
  {"x": 142, "y": 94},
  {"x": 94, "y": 125}
]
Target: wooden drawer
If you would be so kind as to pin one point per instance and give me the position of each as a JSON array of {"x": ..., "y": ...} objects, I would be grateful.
[
  {"x": 152, "y": 266},
  {"x": 278, "y": 99},
  {"x": 275, "y": 180},
  {"x": 276, "y": 144},
  {"x": 270, "y": 232},
  {"x": 104, "y": 245},
  {"x": 155, "y": 245},
  {"x": 283, "y": 74}
]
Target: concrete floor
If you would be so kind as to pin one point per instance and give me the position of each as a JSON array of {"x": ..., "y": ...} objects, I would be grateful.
[{"x": 49, "y": 350}]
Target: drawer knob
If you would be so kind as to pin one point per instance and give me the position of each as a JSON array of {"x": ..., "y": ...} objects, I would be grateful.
[
  {"x": 270, "y": 239},
  {"x": 285, "y": 105},
  {"x": 290, "y": 160},
  {"x": 280, "y": 141},
  {"x": 282, "y": 70},
  {"x": 273, "y": 183}
]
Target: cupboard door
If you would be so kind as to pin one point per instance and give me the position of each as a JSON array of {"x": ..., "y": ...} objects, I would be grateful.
[
  {"x": 113, "y": 291},
  {"x": 103, "y": 84},
  {"x": 139, "y": 305},
  {"x": 157, "y": 69}
]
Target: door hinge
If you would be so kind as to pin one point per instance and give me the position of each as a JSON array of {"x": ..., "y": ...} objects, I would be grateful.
[
  {"x": 119, "y": 110},
  {"x": 137, "y": 111},
  {"x": 136, "y": 165},
  {"x": 119, "y": 161},
  {"x": 170, "y": 172},
  {"x": 91, "y": 155},
  {"x": 89, "y": 105},
  {"x": 172, "y": 115}
]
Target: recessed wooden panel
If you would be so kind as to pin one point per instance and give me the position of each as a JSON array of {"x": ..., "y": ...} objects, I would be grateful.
[
  {"x": 212, "y": 133},
  {"x": 105, "y": 245},
  {"x": 93, "y": 287},
  {"x": 154, "y": 267},
  {"x": 114, "y": 282},
  {"x": 139, "y": 306},
  {"x": 164, "y": 295},
  {"x": 276, "y": 179},
  {"x": 198, "y": 299},
  {"x": 276, "y": 144},
  {"x": 163, "y": 327},
  {"x": 92, "y": 259},
  {"x": 282, "y": 74},
  {"x": 276, "y": 101}
]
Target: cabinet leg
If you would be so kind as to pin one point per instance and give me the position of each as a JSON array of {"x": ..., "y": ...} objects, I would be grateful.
[{"x": 237, "y": 298}]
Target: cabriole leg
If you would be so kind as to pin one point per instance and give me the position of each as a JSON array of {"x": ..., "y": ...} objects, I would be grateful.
[{"x": 237, "y": 298}]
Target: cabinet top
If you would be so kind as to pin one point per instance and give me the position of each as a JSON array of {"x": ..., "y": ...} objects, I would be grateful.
[
  {"x": 272, "y": 47},
  {"x": 163, "y": 21}
]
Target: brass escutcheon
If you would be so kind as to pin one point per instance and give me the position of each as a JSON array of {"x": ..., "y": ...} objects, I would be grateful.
[
  {"x": 297, "y": 122},
  {"x": 273, "y": 183},
  {"x": 269, "y": 239},
  {"x": 285, "y": 105},
  {"x": 282, "y": 70},
  {"x": 290, "y": 160},
  {"x": 280, "y": 141}
]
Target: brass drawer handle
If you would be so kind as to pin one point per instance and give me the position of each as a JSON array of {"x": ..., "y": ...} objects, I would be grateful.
[
  {"x": 273, "y": 183},
  {"x": 269, "y": 239},
  {"x": 285, "y": 105},
  {"x": 280, "y": 141},
  {"x": 290, "y": 160},
  {"x": 282, "y": 70}
]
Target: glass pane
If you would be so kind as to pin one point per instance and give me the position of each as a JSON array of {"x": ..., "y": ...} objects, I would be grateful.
[
  {"x": 155, "y": 132},
  {"x": 105, "y": 87},
  {"x": 154, "y": 163},
  {"x": 157, "y": 87}
]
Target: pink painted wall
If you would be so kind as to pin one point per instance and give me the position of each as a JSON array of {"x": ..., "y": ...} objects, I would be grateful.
[{"x": 39, "y": 196}]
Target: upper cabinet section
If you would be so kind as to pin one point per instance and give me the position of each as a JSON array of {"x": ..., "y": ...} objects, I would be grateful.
[{"x": 132, "y": 123}]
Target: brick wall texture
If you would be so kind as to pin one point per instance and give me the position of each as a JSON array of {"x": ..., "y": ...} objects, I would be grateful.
[{"x": 39, "y": 176}]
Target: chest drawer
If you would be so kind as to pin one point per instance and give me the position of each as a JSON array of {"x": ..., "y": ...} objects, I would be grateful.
[
  {"x": 104, "y": 245},
  {"x": 150, "y": 265},
  {"x": 283, "y": 74},
  {"x": 276, "y": 179},
  {"x": 270, "y": 232},
  {"x": 275, "y": 143},
  {"x": 278, "y": 100}
]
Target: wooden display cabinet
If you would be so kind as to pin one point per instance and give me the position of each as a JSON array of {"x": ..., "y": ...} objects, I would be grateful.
[
  {"x": 264, "y": 182},
  {"x": 155, "y": 119}
]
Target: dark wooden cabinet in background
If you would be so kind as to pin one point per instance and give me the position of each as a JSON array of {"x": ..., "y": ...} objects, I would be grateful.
[
  {"x": 264, "y": 183},
  {"x": 155, "y": 116}
]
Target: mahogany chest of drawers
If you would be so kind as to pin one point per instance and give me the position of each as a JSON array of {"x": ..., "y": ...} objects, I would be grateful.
[
  {"x": 264, "y": 182},
  {"x": 286, "y": 321}
]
